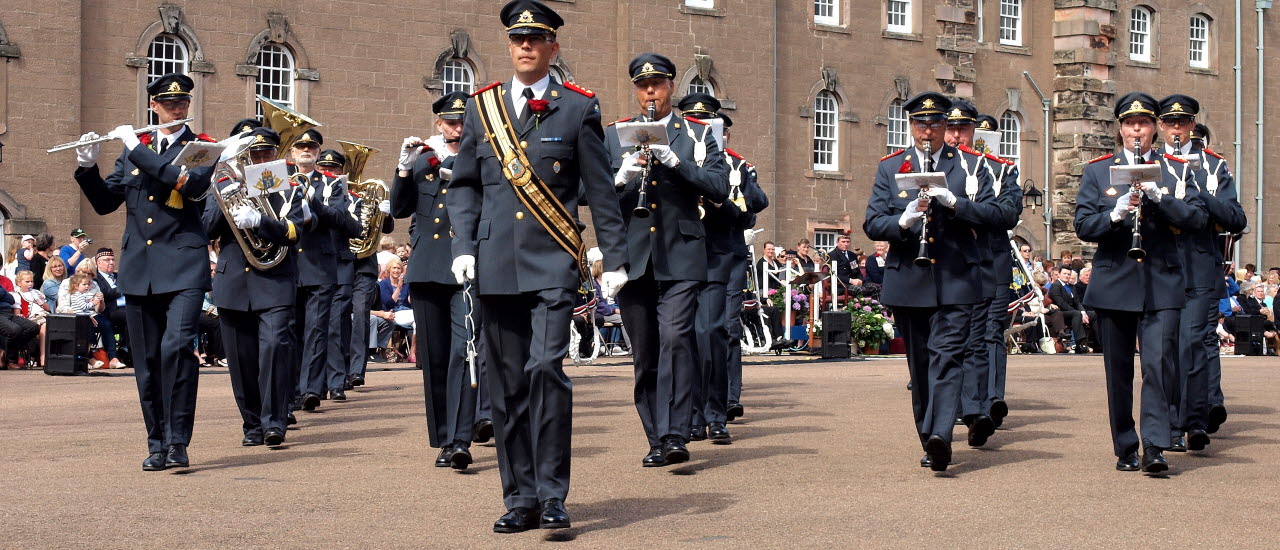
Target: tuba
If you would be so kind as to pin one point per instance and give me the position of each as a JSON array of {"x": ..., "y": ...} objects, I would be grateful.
[
  {"x": 287, "y": 122},
  {"x": 372, "y": 191},
  {"x": 258, "y": 252}
]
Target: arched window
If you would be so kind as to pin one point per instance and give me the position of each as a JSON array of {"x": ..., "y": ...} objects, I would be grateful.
[
  {"x": 275, "y": 75},
  {"x": 700, "y": 86},
  {"x": 166, "y": 54},
  {"x": 826, "y": 135},
  {"x": 1010, "y": 136},
  {"x": 896, "y": 136},
  {"x": 1140, "y": 34},
  {"x": 1199, "y": 47},
  {"x": 458, "y": 77}
]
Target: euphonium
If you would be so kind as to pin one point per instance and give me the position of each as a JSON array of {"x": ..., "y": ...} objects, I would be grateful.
[
  {"x": 259, "y": 253},
  {"x": 372, "y": 192},
  {"x": 288, "y": 123}
]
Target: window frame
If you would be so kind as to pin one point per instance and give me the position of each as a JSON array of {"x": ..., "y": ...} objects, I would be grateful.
[
  {"x": 895, "y": 121},
  {"x": 901, "y": 28},
  {"x": 1148, "y": 19},
  {"x": 1203, "y": 40},
  {"x": 449, "y": 85},
  {"x": 820, "y": 235},
  {"x": 709, "y": 87},
  {"x": 980, "y": 7},
  {"x": 291, "y": 87},
  {"x": 700, "y": 4},
  {"x": 1016, "y": 19},
  {"x": 832, "y": 20},
  {"x": 152, "y": 61},
  {"x": 825, "y": 118},
  {"x": 1011, "y": 126}
]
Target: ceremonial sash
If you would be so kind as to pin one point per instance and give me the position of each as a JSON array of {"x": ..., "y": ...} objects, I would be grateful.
[{"x": 528, "y": 187}]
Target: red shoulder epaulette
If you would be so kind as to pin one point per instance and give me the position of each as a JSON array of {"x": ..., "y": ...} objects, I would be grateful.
[
  {"x": 206, "y": 137},
  {"x": 889, "y": 156},
  {"x": 328, "y": 174},
  {"x": 486, "y": 88},
  {"x": 734, "y": 154},
  {"x": 628, "y": 119},
  {"x": 751, "y": 166},
  {"x": 691, "y": 119},
  {"x": 970, "y": 150},
  {"x": 1210, "y": 152},
  {"x": 1173, "y": 158},
  {"x": 994, "y": 158},
  {"x": 144, "y": 138},
  {"x": 1102, "y": 158},
  {"x": 353, "y": 193},
  {"x": 579, "y": 89}
]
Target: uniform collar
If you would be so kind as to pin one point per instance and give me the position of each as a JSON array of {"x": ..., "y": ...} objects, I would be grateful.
[
  {"x": 1146, "y": 158},
  {"x": 539, "y": 88},
  {"x": 1186, "y": 148},
  {"x": 937, "y": 156}
]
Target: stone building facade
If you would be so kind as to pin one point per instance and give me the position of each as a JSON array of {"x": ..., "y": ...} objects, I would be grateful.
[{"x": 812, "y": 85}]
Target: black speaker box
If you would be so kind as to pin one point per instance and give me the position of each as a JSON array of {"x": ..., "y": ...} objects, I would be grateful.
[
  {"x": 836, "y": 332},
  {"x": 67, "y": 340}
]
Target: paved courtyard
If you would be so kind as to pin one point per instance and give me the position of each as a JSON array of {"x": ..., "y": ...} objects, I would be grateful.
[{"x": 824, "y": 458}]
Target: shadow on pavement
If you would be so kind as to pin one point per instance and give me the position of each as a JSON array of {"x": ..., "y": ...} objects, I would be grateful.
[
  {"x": 618, "y": 513},
  {"x": 724, "y": 455},
  {"x": 270, "y": 456}
]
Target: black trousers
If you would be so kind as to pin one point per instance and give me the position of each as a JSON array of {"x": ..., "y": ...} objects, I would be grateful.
[
  {"x": 338, "y": 344},
  {"x": 936, "y": 341},
  {"x": 976, "y": 381},
  {"x": 525, "y": 339},
  {"x": 1197, "y": 350},
  {"x": 446, "y": 383},
  {"x": 364, "y": 293},
  {"x": 312, "y": 327},
  {"x": 733, "y": 306},
  {"x": 659, "y": 316},
  {"x": 998, "y": 319},
  {"x": 710, "y": 325},
  {"x": 259, "y": 342},
  {"x": 17, "y": 332},
  {"x": 1157, "y": 334},
  {"x": 162, "y": 329},
  {"x": 120, "y": 326},
  {"x": 211, "y": 332}
]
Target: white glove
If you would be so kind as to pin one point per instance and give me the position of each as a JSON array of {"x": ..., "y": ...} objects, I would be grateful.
[
  {"x": 944, "y": 196},
  {"x": 446, "y": 174},
  {"x": 464, "y": 268},
  {"x": 311, "y": 193},
  {"x": 1122, "y": 208},
  {"x": 125, "y": 134},
  {"x": 246, "y": 218},
  {"x": 612, "y": 282},
  {"x": 230, "y": 187},
  {"x": 385, "y": 207},
  {"x": 1152, "y": 190},
  {"x": 87, "y": 155},
  {"x": 306, "y": 211},
  {"x": 409, "y": 152},
  {"x": 665, "y": 155},
  {"x": 911, "y": 217},
  {"x": 629, "y": 169}
]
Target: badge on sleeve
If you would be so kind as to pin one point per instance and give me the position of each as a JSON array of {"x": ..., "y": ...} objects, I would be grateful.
[
  {"x": 1111, "y": 191},
  {"x": 556, "y": 167},
  {"x": 902, "y": 194}
]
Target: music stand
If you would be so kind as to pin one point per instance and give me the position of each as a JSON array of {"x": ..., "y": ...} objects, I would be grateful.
[{"x": 808, "y": 278}]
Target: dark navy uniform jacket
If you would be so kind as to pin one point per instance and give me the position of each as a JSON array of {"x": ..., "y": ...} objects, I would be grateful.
[
  {"x": 998, "y": 269},
  {"x": 163, "y": 249},
  {"x": 369, "y": 264},
  {"x": 726, "y": 246},
  {"x": 514, "y": 254},
  {"x": 422, "y": 195},
  {"x": 954, "y": 277},
  {"x": 241, "y": 287},
  {"x": 1119, "y": 282},
  {"x": 672, "y": 240},
  {"x": 317, "y": 249},
  {"x": 1202, "y": 250},
  {"x": 344, "y": 232}
]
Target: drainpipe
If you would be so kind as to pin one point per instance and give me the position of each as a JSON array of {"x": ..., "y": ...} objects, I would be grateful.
[
  {"x": 1237, "y": 153},
  {"x": 1045, "y": 103},
  {"x": 1259, "y": 6},
  {"x": 773, "y": 203}
]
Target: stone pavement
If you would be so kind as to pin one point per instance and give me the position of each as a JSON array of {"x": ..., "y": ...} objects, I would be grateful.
[{"x": 825, "y": 457}]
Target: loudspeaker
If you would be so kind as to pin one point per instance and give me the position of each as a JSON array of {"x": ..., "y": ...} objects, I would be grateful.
[
  {"x": 67, "y": 344},
  {"x": 837, "y": 328}
]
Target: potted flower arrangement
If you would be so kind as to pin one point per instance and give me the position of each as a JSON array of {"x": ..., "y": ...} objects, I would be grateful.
[{"x": 870, "y": 327}]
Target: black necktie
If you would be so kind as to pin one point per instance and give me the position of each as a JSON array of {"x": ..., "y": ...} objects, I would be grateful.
[
  {"x": 528, "y": 106},
  {"x": 164, "y": 145}
]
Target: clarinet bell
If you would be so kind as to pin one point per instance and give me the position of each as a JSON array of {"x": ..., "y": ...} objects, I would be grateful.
[
  {"x": 922, "y": 257},
  {"x": 641, "y": 212}
]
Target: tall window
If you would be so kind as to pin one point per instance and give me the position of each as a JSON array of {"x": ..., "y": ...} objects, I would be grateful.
[
  {"x": 166, "y": 54},
  {"x": 825, "y": 132},
  {"x": 1011, "y": 22},
  {"x": 1140, "y": 34},
  {"x": 898, "y": 16},
  {"x": 275, "y": 75},
  {"x": 825, "y": 239},
  {"x": 1199, "y": 48},
  {"x": 705, "y": 4},
  {"x": 1010, "y": 135},
  {"x": 700, "y": 86},
  {"x": 897, "y": 138},
  {"x": 458, "y": 77},
  {"x": 824, "y": 12}
]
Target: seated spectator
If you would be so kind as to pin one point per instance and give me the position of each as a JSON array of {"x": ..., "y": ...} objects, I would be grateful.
[
  {"x": 386, "y": 251},
  {"x": 16, "y": 330},
  {"x": 32, "y": 304},
  {"x": 402, "y": 252},
  {"x": 117, "y": 327},
  {"x": 40, "y": 259},
  {"x": 210, "y": 330},
  {"x": 607, "y": 311},
  {"x": 9, "y": 262},
  {"x": 393, "y": 309},
  {"x": 54, "y": 273},
  {"x": 26, "y": 251},
  {"x": 84, "y": 299},
  {"x": 64, "y": 290}
]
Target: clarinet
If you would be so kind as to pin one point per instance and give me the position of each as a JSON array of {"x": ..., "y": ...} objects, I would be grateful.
[
  {"x": 1135, "y": 246},
  {"x": 642, "y": 207},
  {"x": 922, "y": 256}
]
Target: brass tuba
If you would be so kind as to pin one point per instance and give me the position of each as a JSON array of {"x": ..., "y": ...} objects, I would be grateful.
[
  {"x": 287, "y": 122},
  {"x": 259, "y": 253},
  {"x": 372, "y": 191}
]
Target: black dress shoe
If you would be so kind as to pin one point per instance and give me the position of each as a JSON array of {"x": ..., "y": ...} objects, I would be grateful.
[
  {"x": 347, "y": 385},
  {"x": 518, "y": 520},
  {"x": 719, "y": 433},
  {"x": 251, "y": 440},
  {"x": 554, "y": 516},
  {"x": 1128, "y": 463},
  {"x": 482, "y": 432},
  {"x": 925, "y": 462},
  {"x": 177, "y": 457},
  {"x": 980, "y": 430},
  {"x": 734, "y": 411},
  {"x": 674, "y": 451},
  {"x": 337, "y": 395},
  {"x": 291, "y": 420},
  {"x": 654, "y": 458},
  {"x": 1179, "y": 445},
  {"x": 357, "y": 381},
  {"x": 460, "y": 458},
  {"x": 1153, "y": 461},
  {"x": 446, "y": 452},
  {"x": 1217, "y": 417},
  {"x": 999, "y": 410},
  {"x": 698, "y": 434},
  {"x": 1197, "y": 440},
  {"x": 939, "y": 452},
  {"x": 310, "y": 402},
  {"x": 274, "y": 437},
  {"x": 154, "y": 462}
]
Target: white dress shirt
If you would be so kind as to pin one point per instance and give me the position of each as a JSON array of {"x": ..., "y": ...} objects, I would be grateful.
[{"x": 517, "y": 92}]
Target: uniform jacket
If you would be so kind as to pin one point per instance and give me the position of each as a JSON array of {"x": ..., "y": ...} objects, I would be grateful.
[
  {"x": 1008, "y": 201},
  {"x": 241, "y": 287},
  {"x": 163, "y": 249},
  {"x": 369, "y": 265},
  {"x": 724, "y": 224},
  {"x": 317, "y": 248},
  {"x": 1202, "y": 249},
  {"x": 422, "y": 196}
]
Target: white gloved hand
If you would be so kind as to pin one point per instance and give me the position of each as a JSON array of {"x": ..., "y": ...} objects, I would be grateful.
[
  {"x": 246, "y": 218},
  {"x": 409, "y": 152},
  {"x": 944, "y": 196},
  {"x": 665, "y": 155},
  {"x": 87, "y": 155},
  {"x": 1122, "y": 208},
  {"x": 310, "y": 194},
  {"x": 446, "y": 174},
  {"x": 1152, "y": 190},
  {"x": 612, "y": 281},
  {"x": 911, "y": 217},
  {"x": 464, "y": 268},
  {"x": 125, "y": 134},
  {"x": 306, "y": 211},
  {"x": 230, "y": 187},
  {"x": 629, "y": 169},
  {"x": 385, "y": 207}
]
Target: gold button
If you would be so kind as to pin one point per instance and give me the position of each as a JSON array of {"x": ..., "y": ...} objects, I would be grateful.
[
  {"x": 933, "y": 261},
  {"x": 441, "y": 205},
  {"x": 653, "y": 206},
  {"x": 436, "y": 236},
  {"x": 519, "y": 215},
  {"x": 653, "y": 229},
  {"x": 148, "y": 220},
  {"x": 524, "y": 144},
  {"x": 148, "y": 242},
  {"x": 246, "y": 270},
  {"x": 444, "y": 191},
  {"x": 437, "y": 220},
  {"x": 653, "y": 183},
  {"x": 299, "y": 251},
  {"x": 151, "y": 197},
  {"x": 930, "y": 239}
]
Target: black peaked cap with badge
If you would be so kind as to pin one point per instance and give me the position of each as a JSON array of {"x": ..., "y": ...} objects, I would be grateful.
[
  {"x": 263, "y": 138},
  {"x": 312, "y": 137},
  {"x": 987, "y": 122},
  {"x": 1136, "y": 103},
  {"x": 171, "y": 86},
  {"x": 927, "y": 106},
  {"x": 1179, "y": 106},
  {"x": 530, "y": 17},
  {"x": 451, "y": 106},
  {"x": 331, "y": 157},
  {"x": 1200, "y": 132},
  {"x": 703, "y": 106},
  {"x": 245, "y": 125},
  {"x": 649, "y": 65},
  {"x": 962, "y": 112}
]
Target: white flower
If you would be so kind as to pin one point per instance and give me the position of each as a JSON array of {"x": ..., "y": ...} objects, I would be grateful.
[{"x": 888, "y": 329}]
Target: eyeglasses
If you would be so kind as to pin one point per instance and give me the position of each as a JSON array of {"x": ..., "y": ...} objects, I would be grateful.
[
  {"x": 929, "y": 125},
  {"x": 532, "y": 39},
  {"x": 1179, "y": 121}
]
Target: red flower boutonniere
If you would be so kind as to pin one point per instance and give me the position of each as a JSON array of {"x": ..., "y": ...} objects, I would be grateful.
[
  {"x": 905, "y": 168},
  {"x": 538, "y": 106},
  {"x": 434, "y": 161},
  {"x": 145, "y": 139}
]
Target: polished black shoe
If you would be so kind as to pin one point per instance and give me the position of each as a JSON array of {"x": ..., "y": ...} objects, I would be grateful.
[
  {"x": 981, "y": 429},
  {"x": 939, "y": 452},
  {"x": 518, "y": 520},
  {"x": 654, "y": 458},
  {"x": 674, "y": 451},
  {"x": 310, "y": 402},
  {"x": 337, "y": 395},
  {"x": 357, "y": 381},
  {"x": 177, "y": 457},
  {"x": 251, "y": 440},
  {"x": 734, "y": 411},
  {"x": 274, "y": 437},
  {"x": 446, "y": 452},
  {"x": 1197, "y": 440},
  {"x": 1153, "y": 461},
  {"x": 719, "y": 433},
  {"x": 1128, "y": 463},
  {"x": 460, "y": 458},
  {"x": 925, "y": 462},
  {"x": 999, "y": 410},
  {"x": 154, "y": 462},
  {"x": 698, "y": 434},
  {"x": 291, "y": 420},
  {"x": 554, "y": 516},
  {"x": 482, "y": 431},
  {"x": 347, "y": 385},
  {"x": 1179, "y": 445},
  {"x": 1217, "y": 417}
]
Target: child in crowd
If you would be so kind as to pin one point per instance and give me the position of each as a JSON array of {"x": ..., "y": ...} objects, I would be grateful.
[{"x": 84, "y": 299}]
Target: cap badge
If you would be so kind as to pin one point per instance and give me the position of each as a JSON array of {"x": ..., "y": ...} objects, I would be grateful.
[
  {"x": 955, "y": 113},
  {"x": 328, "y": 157},
  {"x": 174, "y": 87},
  {"x": 457, "y": 104},
  {"x": 928, "y": 104},
  {"x": 1177, "y": 107},
  {"x": 526, "y": 17},
  {"x": 259, "y": 139},
  {"x": 1136, "y": 105},
  {"x": 699, "y": 107},
  {"x": 647, "y": 68},
  {"x": 986, "y": 125}
]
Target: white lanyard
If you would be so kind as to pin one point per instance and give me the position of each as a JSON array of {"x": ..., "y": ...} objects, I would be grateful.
[
  {"x": 699, "y": 143},
  {"x": 970, "y": 179}
]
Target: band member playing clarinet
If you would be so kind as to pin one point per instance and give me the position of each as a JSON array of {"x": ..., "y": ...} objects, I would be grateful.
[
  {"x": 517, "y": 238},
  {"x": 931, "y": 279},
  {"x": 1137, "y": 279}
]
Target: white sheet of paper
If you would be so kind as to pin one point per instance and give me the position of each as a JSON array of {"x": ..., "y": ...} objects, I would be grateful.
[
  {"x": 986, "y": 141},
  {"x": 1133, "y": 174},
  {"x": 638, "y": 134},
  {"x": 920, "y": 180},
  {"x": 199, "y": 154},
  {"x": 717, "y": 130},
  {"x": 267, "y": 177}
]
